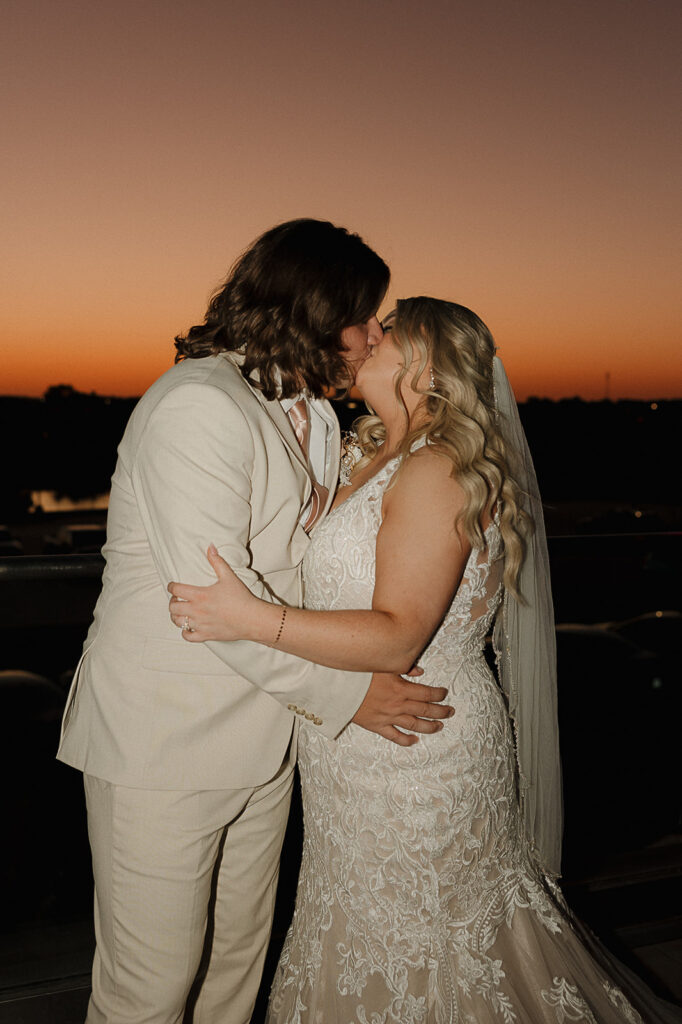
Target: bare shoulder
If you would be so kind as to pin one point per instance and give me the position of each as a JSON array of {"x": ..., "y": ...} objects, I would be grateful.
[
  {"x": 429, "y": 467},
  {"x": 426, "y": 477}
]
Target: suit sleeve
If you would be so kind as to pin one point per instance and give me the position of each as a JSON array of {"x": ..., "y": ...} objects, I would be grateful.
[{"x": 192, "y": 480}]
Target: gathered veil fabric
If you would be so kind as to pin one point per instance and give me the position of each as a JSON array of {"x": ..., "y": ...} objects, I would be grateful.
[{"x": 525, "y": 644}]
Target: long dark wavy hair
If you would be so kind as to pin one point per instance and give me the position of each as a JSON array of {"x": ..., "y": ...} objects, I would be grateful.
[{"x": 285, "y": 303}]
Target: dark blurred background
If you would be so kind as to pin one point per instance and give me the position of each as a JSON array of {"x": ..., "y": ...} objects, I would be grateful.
[{"x": 609, "y": 476}]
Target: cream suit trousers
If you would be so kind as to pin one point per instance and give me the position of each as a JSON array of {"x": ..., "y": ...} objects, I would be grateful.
[{"x": 160, "y": 858}]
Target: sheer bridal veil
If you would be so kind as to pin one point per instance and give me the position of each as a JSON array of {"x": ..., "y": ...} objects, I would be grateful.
[{"x": 525, "y": 645}]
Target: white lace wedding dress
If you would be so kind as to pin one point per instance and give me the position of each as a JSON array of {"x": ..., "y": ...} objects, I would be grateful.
[{"x": 419, "y": 900}]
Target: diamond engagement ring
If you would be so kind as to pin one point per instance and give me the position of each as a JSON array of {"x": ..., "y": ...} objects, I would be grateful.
[{"x": 186, "y": 626}]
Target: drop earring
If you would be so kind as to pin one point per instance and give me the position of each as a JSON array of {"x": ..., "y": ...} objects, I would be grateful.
[{"x": 432, "y": 380}]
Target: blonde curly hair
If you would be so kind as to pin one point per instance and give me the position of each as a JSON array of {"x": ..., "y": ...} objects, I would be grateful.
[{"x": 461, "y": 421}]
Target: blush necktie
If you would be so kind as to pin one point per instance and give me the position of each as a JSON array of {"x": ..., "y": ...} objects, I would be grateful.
[{"x": 298, "y": 415}]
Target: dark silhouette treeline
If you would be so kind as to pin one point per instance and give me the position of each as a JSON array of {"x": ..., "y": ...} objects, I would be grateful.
[
  {"x": 64, "y": 442},
  {"x": 622, "y": 452}
]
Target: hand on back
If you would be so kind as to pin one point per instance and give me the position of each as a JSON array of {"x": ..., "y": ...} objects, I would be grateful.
[{"x": 393, "y": 703}]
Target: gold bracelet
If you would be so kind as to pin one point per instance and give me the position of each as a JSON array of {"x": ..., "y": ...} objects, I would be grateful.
[{"x": 281, "y": 625}]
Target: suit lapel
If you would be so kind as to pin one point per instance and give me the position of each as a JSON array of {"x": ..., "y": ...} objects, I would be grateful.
[
  {"x": 276, "y": 414},
  {"x": 327, "y": 413},
  {"x": 283, "y": 425}
]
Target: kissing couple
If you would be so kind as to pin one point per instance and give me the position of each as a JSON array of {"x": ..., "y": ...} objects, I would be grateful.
[{"x": 427, "y": 890}]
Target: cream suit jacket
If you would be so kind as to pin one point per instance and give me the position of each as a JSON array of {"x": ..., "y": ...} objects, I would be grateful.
[{"x": 204, "y": 458}]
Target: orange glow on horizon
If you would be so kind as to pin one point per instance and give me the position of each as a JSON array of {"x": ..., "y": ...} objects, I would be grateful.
[
  {"x": 111, "y": 367},
  {"x": 520, "y": 161}
]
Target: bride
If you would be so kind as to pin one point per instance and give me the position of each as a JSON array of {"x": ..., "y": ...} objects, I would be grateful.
[{"x": 427, "y": 889}]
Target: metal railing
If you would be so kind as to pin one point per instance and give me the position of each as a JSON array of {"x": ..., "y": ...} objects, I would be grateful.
[
  {"x": 595, "y": 577},
  {"x": 41, "y": 568}
]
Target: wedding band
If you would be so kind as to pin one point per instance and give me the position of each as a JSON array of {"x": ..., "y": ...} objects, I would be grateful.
[{"x": 186, "y": 626}]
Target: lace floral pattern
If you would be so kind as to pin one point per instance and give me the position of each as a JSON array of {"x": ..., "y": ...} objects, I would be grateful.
[
  {"x": 618, "y": 999},
  {"x": 567, "y": 1002},
  {"x": 419, "y": 899}
]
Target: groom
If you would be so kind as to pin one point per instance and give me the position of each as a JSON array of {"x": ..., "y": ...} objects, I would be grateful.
[{"x": 187, "y": 749}]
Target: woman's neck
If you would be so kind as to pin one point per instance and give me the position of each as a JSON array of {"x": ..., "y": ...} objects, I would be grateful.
[{"x": 398, "y": 426}]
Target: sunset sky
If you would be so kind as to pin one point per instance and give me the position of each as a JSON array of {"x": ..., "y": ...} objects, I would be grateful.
[{"x": 519, "y": 157}]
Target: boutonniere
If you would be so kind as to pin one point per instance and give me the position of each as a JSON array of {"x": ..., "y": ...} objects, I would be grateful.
[{"x": 350, "y": 454}]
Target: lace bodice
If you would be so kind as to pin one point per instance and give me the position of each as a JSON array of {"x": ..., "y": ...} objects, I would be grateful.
[{"x": 339, "y": 570}]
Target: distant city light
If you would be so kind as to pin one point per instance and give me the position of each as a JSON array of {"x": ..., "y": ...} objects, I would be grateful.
[
  {"x": 638, "y": 514},
  {"x": 654, "y": 405},
  {"x": 659, "y": 615}
]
